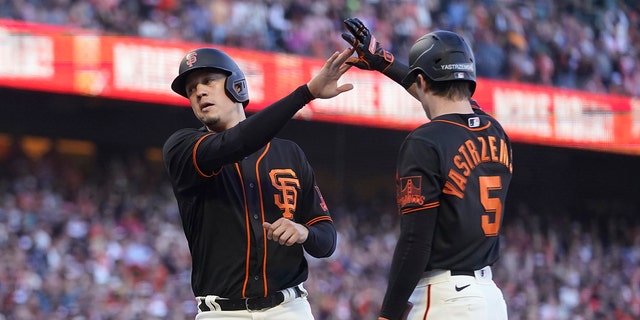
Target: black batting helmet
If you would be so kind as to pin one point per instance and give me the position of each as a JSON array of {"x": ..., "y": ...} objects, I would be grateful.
[
  {"x": 442, "y": 56},
  {"x": 210, "y": 58}
]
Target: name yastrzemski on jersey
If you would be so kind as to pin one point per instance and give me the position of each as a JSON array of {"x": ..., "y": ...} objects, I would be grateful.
[{"x": 471, "y": 153}]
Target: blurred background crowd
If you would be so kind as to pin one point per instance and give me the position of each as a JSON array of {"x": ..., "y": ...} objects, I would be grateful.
[
  {"x": 591, "y": 45},
  {"x": 104, "y": 242}
]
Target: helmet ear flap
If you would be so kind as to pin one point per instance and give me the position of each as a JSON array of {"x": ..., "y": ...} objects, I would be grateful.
[
  {"x": 239, "y": 86},
  {"x": 237, "y": 90}
]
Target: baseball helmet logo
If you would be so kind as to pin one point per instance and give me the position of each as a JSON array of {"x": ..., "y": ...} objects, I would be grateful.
[{"x": 191, "y": 58}]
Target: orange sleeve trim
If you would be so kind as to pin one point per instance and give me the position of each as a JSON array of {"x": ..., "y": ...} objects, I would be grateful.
[
  {"x": 195, "y": 163},
  {"x": 317, "y": 219},
  {"x": 430, "y": 205},
  {"x": 463, "y": 126}
]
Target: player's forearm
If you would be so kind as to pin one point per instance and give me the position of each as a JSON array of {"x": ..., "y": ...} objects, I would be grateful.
[
  {"x": 397, "y": 71},
  {"x": 410, "y": 259},
  {"x": 406, "y": 269},
  {"x": 261, "y": 127},
  {"x": 250, "y": 134},
  {"x": 322, "y": 238}
]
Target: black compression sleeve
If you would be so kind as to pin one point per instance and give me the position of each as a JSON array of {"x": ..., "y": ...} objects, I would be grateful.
[
  {"x": 397, "y": 71},
  {"x": 321, "y": 241},
  {"x": 252, "y": 133},
  {"x": 409, "y": 260},
  {"x": 262, "y": 126}
]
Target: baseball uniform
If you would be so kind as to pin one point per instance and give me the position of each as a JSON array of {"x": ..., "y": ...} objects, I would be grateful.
[
  {"x": 452, "y": 179},
  {"x": 227, "y": 184}
]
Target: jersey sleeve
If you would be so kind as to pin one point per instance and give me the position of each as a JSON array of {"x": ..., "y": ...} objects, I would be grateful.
[
  {"x": 418, "y": 176},
  {"x": 418, "y": 191},
  {"x": 177, "y": 154}
]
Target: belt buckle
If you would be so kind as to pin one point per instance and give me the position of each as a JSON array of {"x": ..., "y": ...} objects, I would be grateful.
[{"x": 246, "y": 306}]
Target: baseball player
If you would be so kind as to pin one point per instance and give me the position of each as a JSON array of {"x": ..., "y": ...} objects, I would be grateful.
[
  {"x": 452, "y": 175},
  {"x": 249, "y": 202}
]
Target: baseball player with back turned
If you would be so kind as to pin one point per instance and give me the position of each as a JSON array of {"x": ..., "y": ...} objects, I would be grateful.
[
  {"x": 249, "y": 202},
  {"x": 452, "y": 178}
]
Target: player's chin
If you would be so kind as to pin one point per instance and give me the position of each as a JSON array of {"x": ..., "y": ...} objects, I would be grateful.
[{"x": 209, "y": 119}]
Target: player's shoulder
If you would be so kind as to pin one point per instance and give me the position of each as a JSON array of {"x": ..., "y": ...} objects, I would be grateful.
[
  {"x": 182, "y": 134},
  {"x": 488, "y": 118},
  {"x": 426, "y": 133},
  {"x": 287, "y": 148},
  {"x": 187, "y": 131},
  {"x": 285, "y": 144}
]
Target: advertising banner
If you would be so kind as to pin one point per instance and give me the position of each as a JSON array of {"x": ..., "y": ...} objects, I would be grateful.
[{"x": 63, "y": 60}]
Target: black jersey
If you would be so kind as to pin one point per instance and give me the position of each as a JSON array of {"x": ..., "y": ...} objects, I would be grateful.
[
  {"x": 460, "y": 165},
  {"x": 225, "y": 191},
  {"x": 453, "y": 174}
]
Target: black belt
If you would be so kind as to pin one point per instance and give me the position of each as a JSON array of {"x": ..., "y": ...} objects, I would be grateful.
[
  {"x": 463, "y": 273},
  {"x": 250, "y": 304}
]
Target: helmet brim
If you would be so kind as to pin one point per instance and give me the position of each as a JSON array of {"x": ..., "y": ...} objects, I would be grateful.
[
  {"x": 409, "y": 79},
  {"x": 179, "y": 84}
]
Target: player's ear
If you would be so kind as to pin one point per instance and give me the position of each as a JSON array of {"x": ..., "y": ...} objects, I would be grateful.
[{"x": 421, "y": 82}]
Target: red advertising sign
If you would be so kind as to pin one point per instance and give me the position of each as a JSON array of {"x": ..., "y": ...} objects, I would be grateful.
[{"x": 63, "y": 60}]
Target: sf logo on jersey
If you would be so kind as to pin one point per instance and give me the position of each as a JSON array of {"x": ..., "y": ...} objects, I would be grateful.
[{"x": 286, "y": 181}]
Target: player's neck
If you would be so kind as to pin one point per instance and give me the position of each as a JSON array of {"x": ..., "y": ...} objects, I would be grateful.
[
  {"x": 439, "y": 107},
  {"x": 226, "y": 123}
]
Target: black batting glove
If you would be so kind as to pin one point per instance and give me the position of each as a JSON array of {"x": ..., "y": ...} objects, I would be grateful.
[{"x": 371, "y": 56}]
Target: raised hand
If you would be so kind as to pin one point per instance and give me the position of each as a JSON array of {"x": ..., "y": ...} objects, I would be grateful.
[
  {"x": 371, "y": 55},
  {"x": 325, "y": 84}
]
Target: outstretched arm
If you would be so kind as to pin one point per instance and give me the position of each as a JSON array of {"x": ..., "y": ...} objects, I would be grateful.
[
  {"x": 371, "y": 55},
  {"x": 257, "y": 130}
]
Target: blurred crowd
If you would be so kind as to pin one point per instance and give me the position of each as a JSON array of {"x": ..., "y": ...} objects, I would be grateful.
[
  {"x": 103, "y": 241},
  {"x": 591, "y": 45}
]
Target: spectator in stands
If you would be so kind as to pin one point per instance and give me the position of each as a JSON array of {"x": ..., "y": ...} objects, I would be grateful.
[
  {"x": 584, "y": 45},
  {"x": 63, "y": 251}
]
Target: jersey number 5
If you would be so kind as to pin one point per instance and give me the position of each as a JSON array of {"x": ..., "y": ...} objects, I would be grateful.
[{"x": 491, "y": 205}]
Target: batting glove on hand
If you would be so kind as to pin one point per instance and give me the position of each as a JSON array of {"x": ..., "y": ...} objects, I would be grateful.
[{"x": 371, "y": 56}]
